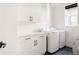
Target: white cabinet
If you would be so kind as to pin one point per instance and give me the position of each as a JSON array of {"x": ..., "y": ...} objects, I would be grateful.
[
  {"x": 33, "y": 45},
  {"x": 26, "y": 44},
  {"x": 39, "y": 44}
]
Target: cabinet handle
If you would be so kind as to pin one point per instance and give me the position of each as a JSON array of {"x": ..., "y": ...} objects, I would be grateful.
[
  {"x": 41, "y": 36},
  {"x": 35, "y": 43},
  {"x": 27, "y": 38}
]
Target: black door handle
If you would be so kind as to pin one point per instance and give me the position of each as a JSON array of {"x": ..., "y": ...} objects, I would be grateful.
[{"x": 2, "y": 44}]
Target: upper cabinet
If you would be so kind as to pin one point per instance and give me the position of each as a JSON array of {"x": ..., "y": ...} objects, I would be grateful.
[{"x": 29, "y": 13}]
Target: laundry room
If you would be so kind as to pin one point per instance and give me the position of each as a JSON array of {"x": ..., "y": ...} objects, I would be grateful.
[{"x": 39, "y": 28}]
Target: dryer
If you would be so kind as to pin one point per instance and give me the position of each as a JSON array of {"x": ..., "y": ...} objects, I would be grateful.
[{"x": 61, "y": 38}]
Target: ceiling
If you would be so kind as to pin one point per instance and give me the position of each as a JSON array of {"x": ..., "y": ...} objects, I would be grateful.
[{"x": 55, "y": 4}]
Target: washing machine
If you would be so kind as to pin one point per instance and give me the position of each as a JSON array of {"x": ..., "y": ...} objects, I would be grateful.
[{"x": 53, "y": 41}]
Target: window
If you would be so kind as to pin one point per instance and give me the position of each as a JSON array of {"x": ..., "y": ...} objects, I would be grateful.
[{"x": 71, "y": 17}]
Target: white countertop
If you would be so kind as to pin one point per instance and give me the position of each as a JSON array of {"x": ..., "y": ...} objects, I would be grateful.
[
  {"x": 31, "y": 34},
  {"x": 35, "y": 33}
]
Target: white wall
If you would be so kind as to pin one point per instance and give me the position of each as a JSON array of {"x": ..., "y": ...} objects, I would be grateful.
[
  {"x": 8, "y": 33},
  {"x": 38, "y": 11},
  {"x": 59, "y": 22},
  {"x": 58, "y": 16}
]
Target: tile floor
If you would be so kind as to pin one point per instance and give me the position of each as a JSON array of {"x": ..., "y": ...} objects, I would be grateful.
[{"x": 63, "y": 51}]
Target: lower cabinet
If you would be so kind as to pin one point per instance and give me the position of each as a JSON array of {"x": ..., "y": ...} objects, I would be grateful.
[
  {"x": 32, "y": 45},
  {"x": 39, "y": 44}
]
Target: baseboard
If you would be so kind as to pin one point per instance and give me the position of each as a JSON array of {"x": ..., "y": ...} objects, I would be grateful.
[{"x": 68, "y": 47}]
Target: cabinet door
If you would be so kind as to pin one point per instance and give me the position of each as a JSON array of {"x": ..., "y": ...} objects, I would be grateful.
[
  {"x": 42, "y": 44},
  {"x": 26, "y": 45},
  {"x": 35, "y": 45},
  {"x": 39, "y": 44}
]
